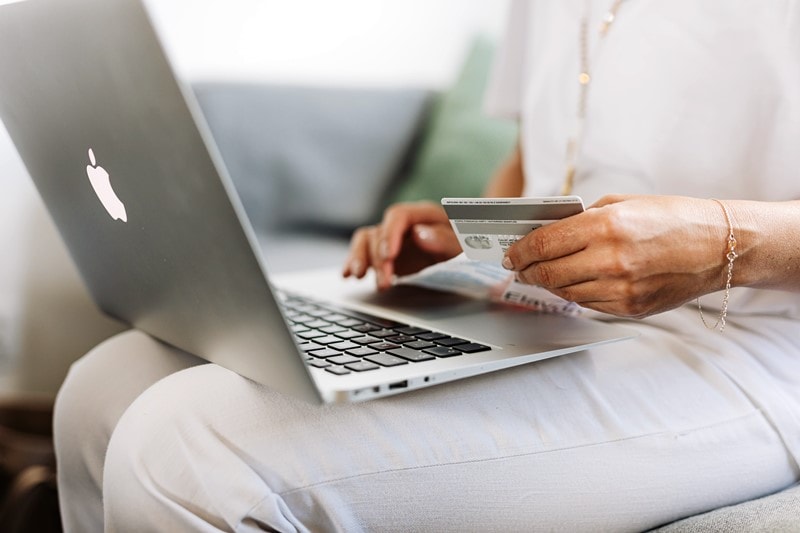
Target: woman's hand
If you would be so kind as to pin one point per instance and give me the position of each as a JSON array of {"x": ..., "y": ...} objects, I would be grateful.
[
  {"x": 630, "y": 256},
  {"x": 411, "y": 237}
]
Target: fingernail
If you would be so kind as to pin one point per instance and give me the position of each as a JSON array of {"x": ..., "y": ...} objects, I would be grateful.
[
  {"x": 355, "y": 267},
  {"x": 383, "y": 250},
  {"x": 424, "y": 233},
  {"x": 379, "y": 278},
  {"x": 507, "y": 264}
]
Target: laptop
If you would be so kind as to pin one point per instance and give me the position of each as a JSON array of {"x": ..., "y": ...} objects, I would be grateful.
[{"x": 129, "y": 173}]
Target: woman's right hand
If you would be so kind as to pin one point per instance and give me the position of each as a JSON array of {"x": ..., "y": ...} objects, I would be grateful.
[{"x": 410, "y": 237}]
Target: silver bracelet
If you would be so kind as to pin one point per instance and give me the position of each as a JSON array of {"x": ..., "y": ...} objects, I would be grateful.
[{"x": 731, "y": 256}]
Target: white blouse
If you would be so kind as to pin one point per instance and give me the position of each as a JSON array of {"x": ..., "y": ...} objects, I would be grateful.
[{"x": 688, "y": 97}]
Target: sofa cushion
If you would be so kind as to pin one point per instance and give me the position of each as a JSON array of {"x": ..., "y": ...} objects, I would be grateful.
[
  {"x": 461, "y": 147},
  {"x": 312, "y": 156},
  {"x": 777, "y": 512}
]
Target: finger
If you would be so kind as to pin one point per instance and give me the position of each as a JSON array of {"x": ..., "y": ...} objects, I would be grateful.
[
  {"x": 383, "y": 267},
  {"x": 588, "y": 292},
  {"x": 559, "y": 239},
  {"x": 615, "y": 297},
  {"x": 593, "y": 295},
  {"x": 563, "y": 272},
  {"x": 436, "y": 239},
  {"x": 358, "y": 260},
  {"x": 400, "y": 218}
]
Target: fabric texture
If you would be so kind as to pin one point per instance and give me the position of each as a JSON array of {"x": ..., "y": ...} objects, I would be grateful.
[
  {"x": 83, "y": 423},
  {"x": 777, "y": 513},
  {"x": 597, "y": 440},
  {"x": 312, "y": 156},
  {"x": 462, "y": 146}
]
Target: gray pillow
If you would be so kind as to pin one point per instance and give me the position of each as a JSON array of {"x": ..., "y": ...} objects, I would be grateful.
[{"x": 312, "y": 156}]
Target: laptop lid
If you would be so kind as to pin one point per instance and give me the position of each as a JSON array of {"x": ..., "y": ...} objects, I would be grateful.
[{"x": 129, "y": 174}]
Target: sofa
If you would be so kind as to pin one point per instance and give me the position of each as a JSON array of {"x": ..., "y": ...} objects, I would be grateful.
[{"x": 310, "y": 165}]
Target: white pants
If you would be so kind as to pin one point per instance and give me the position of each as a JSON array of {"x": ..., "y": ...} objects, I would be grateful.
[{"x": 624, "y": 437}]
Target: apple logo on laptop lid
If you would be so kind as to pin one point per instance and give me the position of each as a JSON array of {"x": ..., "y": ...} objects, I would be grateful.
[{"x": 101, "y": 184}]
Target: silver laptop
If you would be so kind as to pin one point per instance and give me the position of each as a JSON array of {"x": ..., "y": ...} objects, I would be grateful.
[{"x": 131, "y": 177}]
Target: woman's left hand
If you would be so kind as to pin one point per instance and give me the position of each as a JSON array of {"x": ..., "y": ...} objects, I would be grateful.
[{"x": 630, "y": 256}]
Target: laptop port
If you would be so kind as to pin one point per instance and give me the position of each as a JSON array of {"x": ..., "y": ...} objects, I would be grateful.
[{"x": 399, "y": 385}]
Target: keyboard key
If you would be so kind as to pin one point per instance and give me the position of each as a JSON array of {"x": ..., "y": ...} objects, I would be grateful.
[
  {"x": 333, "y": 328},
  {"x": 302, "y": 319},
  {"x": 363, "y": 341},
  {"x": 298, "y": 328},
  {"x": 473, "y": 347},
  {"x": 343, "y": 359},
  {"x": 442, "y": 351},
  {"x": 383, "y": 333},
  {"x": 317, "y": 323},
  {"x": 324, "y": 353},
  {"x": 319, "y": 363},
  {"x": 385, "y": 346},
  {"x": 411, "y": 355},
  {"x": 308, "y": 346},
  {"x": 343, "y": 346},
  {"x": 339, "y": 371},
  {"x": 362, "y": 352},
  {"x": 449, "y": 341},
  {"x": 366, "y": 328},
  {"x": 333, "y": 317},
  {"x": 411, "y": 330},
  {"x": 362, "y": 366},
  {"x": 311, "y": 334},
  {"x": 432, "y": 336},
  {"x": 328, "y": 339},
  {"x": 419, "y": 345},
  {"x": 401, "y": 339},
  {"x": 348, "y": 322},
  {"x": 385, "y": 359},
  {"x": 348, "y": 334},
  {"x": 372, "y": 319},
  {"x": 382, "y": 322}
]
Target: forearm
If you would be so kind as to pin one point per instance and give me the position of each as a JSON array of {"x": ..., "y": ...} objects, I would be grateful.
[
  {"x": 508, "y": 180},
  {"x": 768, "y": 244}
]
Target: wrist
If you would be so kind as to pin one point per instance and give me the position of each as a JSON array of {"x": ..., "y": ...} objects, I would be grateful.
[
  {"x": 767, "y": 244},
  {"x": 730, "y": 258}
]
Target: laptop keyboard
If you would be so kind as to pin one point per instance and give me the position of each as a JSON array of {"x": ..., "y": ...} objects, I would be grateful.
[{"x": 342, "y": 341}]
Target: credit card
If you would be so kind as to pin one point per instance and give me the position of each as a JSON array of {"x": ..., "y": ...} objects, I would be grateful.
[{"x": 487, "y": 227}]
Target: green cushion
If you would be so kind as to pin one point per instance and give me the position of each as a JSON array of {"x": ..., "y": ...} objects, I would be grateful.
[{"x": 461, "y": 146}]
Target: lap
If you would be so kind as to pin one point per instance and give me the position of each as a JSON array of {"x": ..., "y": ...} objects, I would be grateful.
[{"x": 629, "y": 435}]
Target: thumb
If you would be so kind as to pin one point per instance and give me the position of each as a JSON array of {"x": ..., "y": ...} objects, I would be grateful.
[{"x": 436, "y": 239}]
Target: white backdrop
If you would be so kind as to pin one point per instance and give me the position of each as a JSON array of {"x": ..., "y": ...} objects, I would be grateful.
[{"x": 341, "y": 42}]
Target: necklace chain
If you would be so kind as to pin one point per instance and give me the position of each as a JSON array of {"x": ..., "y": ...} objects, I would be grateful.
[{"x": 584, "y": 81}]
